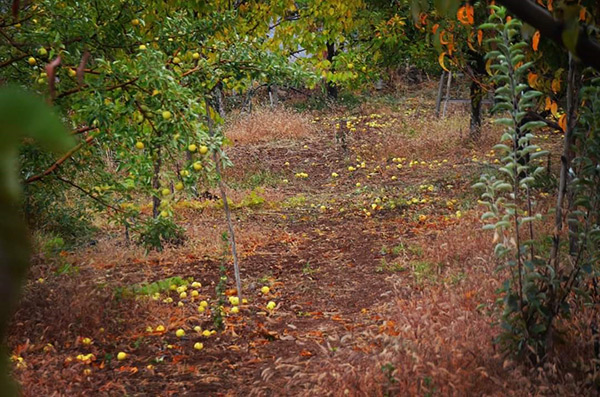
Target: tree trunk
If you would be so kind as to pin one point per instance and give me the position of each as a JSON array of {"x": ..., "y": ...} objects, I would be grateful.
[
  {"x": 565, "y": 168},
  {"x": 332, "y": 89},
  {"x": 476, "y": 96},
  {"x": 156, "y": 185},
  {"x": 477, "y": 71},
  {"x": 219, "y": 99},
  {"x": 573, "y": 87},
  {"x": 216, "y": 160}
]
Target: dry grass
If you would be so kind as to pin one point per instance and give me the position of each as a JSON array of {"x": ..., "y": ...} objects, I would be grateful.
[
  {"x": 437, "y": 137},
  {"x": 267, "y": 124},
  {"x": 439, "y": 340}
]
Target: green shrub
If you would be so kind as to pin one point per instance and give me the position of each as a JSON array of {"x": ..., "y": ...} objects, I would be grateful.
[{"x": 157, "y": 232}]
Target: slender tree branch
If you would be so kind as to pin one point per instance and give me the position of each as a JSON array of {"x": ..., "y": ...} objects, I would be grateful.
[
  {"x": 88, "y": 193},
  {"x": 111, "y": 88},
  {"x": 83, "y": 130},
  {"x": 58, "y": 162},
  {"x": 586, "y": 49},
  {"x": 9, "y": 62}
]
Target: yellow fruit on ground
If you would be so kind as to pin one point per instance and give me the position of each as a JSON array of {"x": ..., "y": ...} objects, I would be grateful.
[
  {"x": 265, "y": 290},
  {"x": 195, "y": 293},
  {"x": 86, "y": 341},
  {"x": 196, "y": 284},
  {"x": 201, "y": 309},
  {"x": 197, "y": 166},
  {"x": 165, "y": 192},
  {"x": 139, "y": 145},
  {"x": 204, "y": 304},
  {"x": 203, "y": 150},
  {"x": 197, "y": 328},
  {"x": 179, "y": 186},
  {"x": 235, "y": 310},
  {"x": 121, "y": 356},
  {"x": 271, "y": 305},
  {"x": 234, "y": 300},
  {"x": 31, "y": 61},
  {"x": 183, "y": 295},
  {"x": 164, "y": 214},
  {"x": 160, "y": 328},
  {"x": 180, "y": 333},
  {"x": 206, "y": 333},
  {"x": 184, "y": 173},
  {"x": 198, "y": 346},
  {"x": 192, "y": 148},
  {"x": 167, "y": 115}
]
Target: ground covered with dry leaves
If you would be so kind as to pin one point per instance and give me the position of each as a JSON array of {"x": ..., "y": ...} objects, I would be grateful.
[{"x": 382, "y": 280}]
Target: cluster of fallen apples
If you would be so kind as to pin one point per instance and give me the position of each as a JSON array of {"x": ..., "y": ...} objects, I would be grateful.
[{"x": 180, "y": 332}]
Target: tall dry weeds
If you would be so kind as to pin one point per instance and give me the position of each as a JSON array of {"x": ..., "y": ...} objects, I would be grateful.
[{"x": 266, "y": 124}]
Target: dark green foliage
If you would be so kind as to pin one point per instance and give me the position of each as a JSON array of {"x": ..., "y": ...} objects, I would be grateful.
[{"x": 158, "y": 232}]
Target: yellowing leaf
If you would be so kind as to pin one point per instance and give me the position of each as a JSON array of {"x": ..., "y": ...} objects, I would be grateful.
[
  {"x": 488, "y": 68},
  {"x": 532, "y": 79},
  {"x": 556, "y": 85},
  {"x": 441, "y": 61},
  {"x": 554, "y": 109},
  {"x": 535, "y": 42},
  {"x": 562, "y": 122},
  {"x": 443, "y": 40},
  {"x": 479, "y": 36},
  {"x": 548, "y": 103},
  {"x": 582, "y": 14},
  {"x": 469, "y": 43},
  {"x": 465, "y": 15}
]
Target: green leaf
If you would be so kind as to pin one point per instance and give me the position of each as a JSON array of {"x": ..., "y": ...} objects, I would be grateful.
[{"x": 447, "y": 8}]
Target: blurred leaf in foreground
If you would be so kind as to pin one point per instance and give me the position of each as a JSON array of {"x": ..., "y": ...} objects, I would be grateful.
[{"x": 22, "y": 115}]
